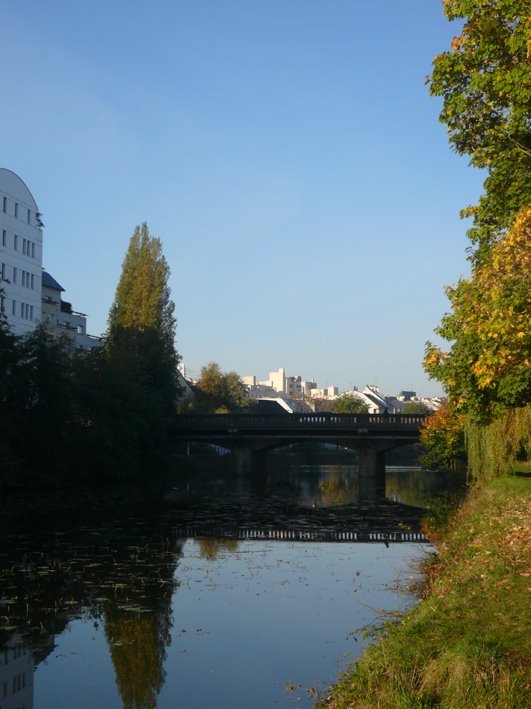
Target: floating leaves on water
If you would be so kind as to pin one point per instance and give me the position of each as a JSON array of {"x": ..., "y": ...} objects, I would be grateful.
[{"x": 133, "y": 608}]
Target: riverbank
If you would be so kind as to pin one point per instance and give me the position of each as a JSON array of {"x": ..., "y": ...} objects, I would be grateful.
[{"x": 467, "y": 642}]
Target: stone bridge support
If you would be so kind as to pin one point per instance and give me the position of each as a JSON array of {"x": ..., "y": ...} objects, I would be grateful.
[
  {"x": 371, "y": 476},
  {"x": 248, "y": 456}
]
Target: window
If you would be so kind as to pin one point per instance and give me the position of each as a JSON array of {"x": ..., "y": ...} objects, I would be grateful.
[
  {"x": 4, "y": 204},
  {"x": 14, "y": 307},
  {"x": 31, "y": 312},
  {"x": 29, "y": 216},
  {"x": 4, "y": 237},
  {"x": 15, "y": 242},
  {"x": 15, "y": 275},
  {"x": 16, "y": 210},
  {"x": 32, "y": 250},
  {"x": 32, "y": 284},
  {"x": 2, "y": 271}
]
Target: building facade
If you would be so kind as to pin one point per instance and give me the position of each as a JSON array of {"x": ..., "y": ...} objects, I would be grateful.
[
  {"x": 61, "y": 320},
  {"x": 20, "y": 254}
]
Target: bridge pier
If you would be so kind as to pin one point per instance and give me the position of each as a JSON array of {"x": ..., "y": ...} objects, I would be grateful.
[
  {"x": 371, "y": 475},
  {"x": 243, "y": 459},
  {"x": 247, "y": 458}
]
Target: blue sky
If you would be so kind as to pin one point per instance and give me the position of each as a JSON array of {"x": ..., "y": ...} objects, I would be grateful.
[{"x": 287, "y": 153}]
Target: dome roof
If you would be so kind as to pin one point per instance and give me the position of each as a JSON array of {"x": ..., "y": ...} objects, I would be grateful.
[{"x": 12, "y": 186}]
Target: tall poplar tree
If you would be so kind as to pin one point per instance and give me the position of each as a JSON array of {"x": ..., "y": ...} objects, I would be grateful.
[{"x": 141, "y": 330}]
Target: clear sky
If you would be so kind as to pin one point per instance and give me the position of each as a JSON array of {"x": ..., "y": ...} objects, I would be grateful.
[{"x": 287, "y": 153}]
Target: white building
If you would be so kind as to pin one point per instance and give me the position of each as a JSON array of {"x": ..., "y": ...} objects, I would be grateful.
[
  {"x": 371, "y": 395},
  {"x": 16, "y": 675},
  {"x": 329, "y": 393},
  {"x": 20, "y": 254}
]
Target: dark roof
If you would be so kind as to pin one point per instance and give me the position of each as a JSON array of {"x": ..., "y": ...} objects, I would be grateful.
[
  {"x": 49, "y": 282},
  {"x": 269, "y": 407}
]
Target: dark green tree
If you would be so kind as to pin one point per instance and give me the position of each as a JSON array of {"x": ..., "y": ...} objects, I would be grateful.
[
  {"x": 485, "y": 83},
  {"x": 415, "y": 407},
  {"x": 349, "y": 404},
  {"x": 37, "y": 408},
  {"x": 220, "y": 392}
]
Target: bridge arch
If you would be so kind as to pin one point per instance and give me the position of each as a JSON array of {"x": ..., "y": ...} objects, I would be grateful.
[{"x": 249, "y": 436}]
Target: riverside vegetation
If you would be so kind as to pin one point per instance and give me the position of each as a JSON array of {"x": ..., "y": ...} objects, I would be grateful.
[
  {"x": 69, "y": 417},
  {"x": 466, "y": 644}
]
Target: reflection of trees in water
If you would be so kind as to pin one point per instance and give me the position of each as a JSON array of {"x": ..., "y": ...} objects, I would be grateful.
[
  {"x": 338, "y": 489},
  {"x": 412, "y": 486},
  {"x": 121, "y": 571},
  {"x": 210, "y": 548},
  {"x": 137, "y": 643}
]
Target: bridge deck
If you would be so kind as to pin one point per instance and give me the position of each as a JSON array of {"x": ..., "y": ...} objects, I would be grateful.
[{"x": 301, "y": 426}]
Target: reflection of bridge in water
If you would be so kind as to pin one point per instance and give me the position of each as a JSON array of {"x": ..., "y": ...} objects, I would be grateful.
[
  {"x": 250, "y": 436},
  {"x": 305, "y": 535}
]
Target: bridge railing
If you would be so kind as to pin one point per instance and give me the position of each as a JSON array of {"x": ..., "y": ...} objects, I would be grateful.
[{"x": 294, "y": 421}]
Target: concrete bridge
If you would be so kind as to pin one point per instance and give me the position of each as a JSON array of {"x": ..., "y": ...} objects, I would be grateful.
[{"x": 250, "y": 436}]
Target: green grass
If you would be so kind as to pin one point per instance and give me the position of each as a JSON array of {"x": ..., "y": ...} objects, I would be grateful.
[{"x": 467, "y": 642}]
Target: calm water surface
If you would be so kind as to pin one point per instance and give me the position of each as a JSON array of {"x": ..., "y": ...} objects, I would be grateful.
[{"x": 225, "y": 594}]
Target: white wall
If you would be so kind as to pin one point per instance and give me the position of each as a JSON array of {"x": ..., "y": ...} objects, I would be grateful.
[{"x": 20, "y": 254}]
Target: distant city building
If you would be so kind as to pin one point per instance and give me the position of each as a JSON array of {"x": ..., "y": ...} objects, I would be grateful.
[
  {"x": 308, "y": 387},
  {"x": 20, "y": 254},
  {"x": 406, "y": 395},
  {"x": 294, "y": 388},
  {"x": 260, "y": 391},
  {"x": 328, "y": 393},
  {"x": 373, "y": 398}
]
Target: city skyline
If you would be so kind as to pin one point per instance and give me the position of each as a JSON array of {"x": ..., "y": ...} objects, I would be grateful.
[{"x": 290, "y": 159}]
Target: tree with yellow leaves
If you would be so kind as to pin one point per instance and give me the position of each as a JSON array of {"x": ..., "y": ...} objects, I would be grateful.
[{"x": 488, "y": 367}]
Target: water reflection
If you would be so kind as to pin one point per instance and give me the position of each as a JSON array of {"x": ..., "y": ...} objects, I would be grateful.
[
  {"x": 16, "y": 674},
  {"x": 117, "y": 572},
  {"x": 148, "y": 612}
]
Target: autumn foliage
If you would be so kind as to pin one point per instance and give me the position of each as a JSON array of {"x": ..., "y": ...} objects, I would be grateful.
[
  {"x": 442, "y": 437},
  {"x": 488, "y": 368}
]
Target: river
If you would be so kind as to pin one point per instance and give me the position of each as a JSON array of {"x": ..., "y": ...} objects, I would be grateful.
[{"x": 221, "y": 592}]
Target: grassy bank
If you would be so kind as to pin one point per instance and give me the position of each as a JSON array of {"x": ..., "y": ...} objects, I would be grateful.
[{"x": 467, "y": 643}]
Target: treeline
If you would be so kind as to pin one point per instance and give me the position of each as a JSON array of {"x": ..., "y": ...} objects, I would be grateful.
[
  {"x": 217, "y": 392},
  {"x": 486, "y": 371},
  {"x": 68, "y": 416}
]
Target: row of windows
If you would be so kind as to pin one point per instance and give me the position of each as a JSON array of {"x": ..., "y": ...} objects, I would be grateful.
[
  {"x": 20, "y": 212},
  {"x": 19, "y": 682},
  {"x": 24, "y": 310},
  {"x": 27, "y": 279},
  {"x": 28, "y": 247}
]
